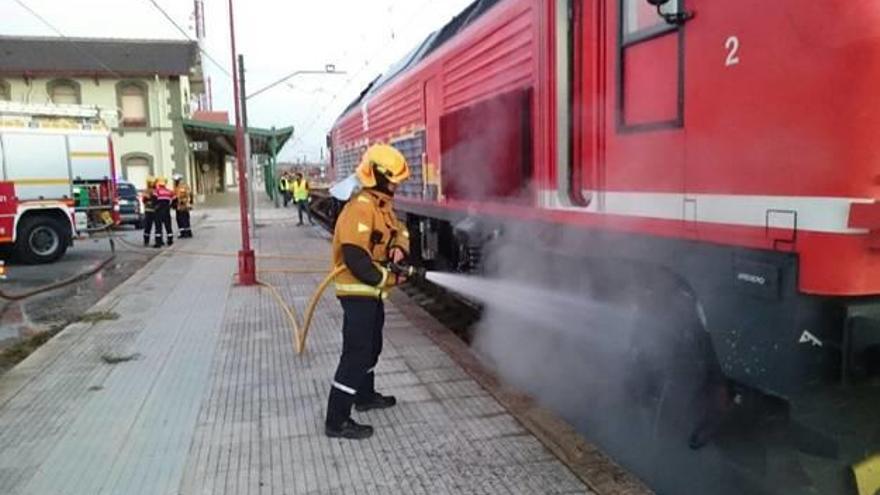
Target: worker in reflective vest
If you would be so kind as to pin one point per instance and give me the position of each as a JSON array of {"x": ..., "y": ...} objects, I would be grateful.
[
  {"x": 299, "y": 186},
  {"x": 284, "y": 188},
  {"x": 182, "y": 206},
  {"x": 149, "y": 209},
  {"x": 162, "y": 198},
  {"x": 368, "y": 235}
]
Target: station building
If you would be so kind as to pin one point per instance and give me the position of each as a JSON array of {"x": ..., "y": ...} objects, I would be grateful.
[{"x": 148, "y": 88}]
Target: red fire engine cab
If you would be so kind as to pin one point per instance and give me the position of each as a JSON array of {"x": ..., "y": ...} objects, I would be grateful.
[{"x": 727, "y": 149}]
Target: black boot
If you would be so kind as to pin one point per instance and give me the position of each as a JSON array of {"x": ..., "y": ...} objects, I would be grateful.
[
  {"x": 146, "y": 241},
  {"x": 158, "y": 243},
  {"x": 377, "y": 401},
  {"x": 349, "y": 429},
  {"x": 170, "y": 240}
]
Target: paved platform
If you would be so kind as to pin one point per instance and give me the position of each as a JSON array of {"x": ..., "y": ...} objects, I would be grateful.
[{"x": 194, "y": 388}]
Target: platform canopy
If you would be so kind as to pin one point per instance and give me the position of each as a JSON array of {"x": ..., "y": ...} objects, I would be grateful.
[
  {"x": 219, "y": 139},
  {"x": 263, "y": 141}
]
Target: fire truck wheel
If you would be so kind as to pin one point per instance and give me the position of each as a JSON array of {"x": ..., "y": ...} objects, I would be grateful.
[{"x": 41, "y": 239}]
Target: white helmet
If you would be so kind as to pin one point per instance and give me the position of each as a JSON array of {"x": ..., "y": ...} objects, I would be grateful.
[{"x": 177, "y": 177}]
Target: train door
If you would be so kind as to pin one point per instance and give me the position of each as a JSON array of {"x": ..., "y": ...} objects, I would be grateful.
[{"x": 581, "y": 87}]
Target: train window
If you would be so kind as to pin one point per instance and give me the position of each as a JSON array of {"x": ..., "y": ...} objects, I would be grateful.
[
  {"x": 640, "y": 19},
  {"x": 650, "y": 93}
]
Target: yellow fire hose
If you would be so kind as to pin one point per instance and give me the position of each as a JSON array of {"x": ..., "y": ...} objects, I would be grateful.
[{"x": 300, "y": 333}]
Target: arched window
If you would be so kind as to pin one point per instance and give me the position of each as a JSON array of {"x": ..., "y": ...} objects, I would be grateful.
[
  {"x": 63, "y": 91},
  {"x": 5, "y": 93},
  {"x": 136, "y": 167},
  {"x": 133, "y": 104}
]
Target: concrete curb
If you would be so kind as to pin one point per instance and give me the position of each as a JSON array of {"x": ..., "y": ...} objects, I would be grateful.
[{"x": 14, "y": 380}]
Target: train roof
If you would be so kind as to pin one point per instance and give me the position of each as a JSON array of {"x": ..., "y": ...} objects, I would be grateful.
[{"x": 431, "y": 43}]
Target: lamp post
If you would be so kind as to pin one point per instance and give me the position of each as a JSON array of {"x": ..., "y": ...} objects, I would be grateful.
[{"x": 247, "y": 269}]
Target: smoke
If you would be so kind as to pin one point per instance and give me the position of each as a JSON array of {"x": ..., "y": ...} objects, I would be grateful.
[{"x": 594, "y": 349}]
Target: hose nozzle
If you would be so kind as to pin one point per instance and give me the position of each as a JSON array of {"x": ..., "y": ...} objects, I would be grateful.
[{"x": 408, "y": 271}]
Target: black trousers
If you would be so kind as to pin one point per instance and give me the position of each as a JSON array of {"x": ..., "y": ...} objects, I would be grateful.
[
  {"x": 163, "y": 218},
  {"x": 355, "y": 379},
  {"x": 183, "y": 225},
  {"x": 303, "y": 206},
  {"x": 287, "y": 196},
  {"x": 149, "y": 220}
]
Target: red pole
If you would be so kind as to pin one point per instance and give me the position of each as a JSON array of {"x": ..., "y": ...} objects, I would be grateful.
[{"x": 247, "y": 267}]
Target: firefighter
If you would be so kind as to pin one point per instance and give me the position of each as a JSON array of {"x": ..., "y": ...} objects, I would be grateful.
[
  {"x": 367, "y": 236},
  {"x": 299, "y": 187},
  {"x": 182, "y": 204},
  {"x": 162, "y": 197},
  {"x": 149, "y": 209}
]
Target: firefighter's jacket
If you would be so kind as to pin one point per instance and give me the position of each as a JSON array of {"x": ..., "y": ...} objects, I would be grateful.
[
  {"x": 149, "y": 202},
  {"x": 183, "y": 198},
  {"x": 368, "y": 222},
  {"x": 162, "y": 196}
]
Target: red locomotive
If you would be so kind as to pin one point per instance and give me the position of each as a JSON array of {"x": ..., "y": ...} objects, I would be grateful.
[{"x": 729, "y": 149}]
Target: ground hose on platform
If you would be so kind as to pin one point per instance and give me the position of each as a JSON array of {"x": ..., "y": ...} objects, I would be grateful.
[
  {"x": 299, "y": 332},
  {"x": 57, "y": 285},
  {"x": 221, "y": 254}
]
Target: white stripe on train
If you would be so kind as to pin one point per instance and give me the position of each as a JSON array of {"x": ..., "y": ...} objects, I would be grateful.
[{"x": 813, "y": 213}]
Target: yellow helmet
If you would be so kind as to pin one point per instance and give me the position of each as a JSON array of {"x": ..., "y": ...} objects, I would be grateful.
[
  {"x": 160, "y": 181},
  {"x": 387, "y": 160},
  {"x": 151, "y": 181}
]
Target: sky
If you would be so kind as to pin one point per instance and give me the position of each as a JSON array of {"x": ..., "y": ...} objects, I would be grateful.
[{"x": 276, "y": 37}]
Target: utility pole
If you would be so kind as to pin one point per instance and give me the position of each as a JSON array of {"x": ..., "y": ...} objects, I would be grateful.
[
  {"x": 247, "y": 144},
  {"x": 247, "y": 266}
]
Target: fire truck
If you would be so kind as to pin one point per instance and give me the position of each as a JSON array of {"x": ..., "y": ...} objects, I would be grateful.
[
  {"x": 720, "y": 159},
  {"x": 58, "y": 178}
]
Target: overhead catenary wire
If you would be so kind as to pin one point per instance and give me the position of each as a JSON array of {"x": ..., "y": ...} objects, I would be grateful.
[
  {"x": 186, "y": 35},
  {"x": 70, "y": 40},
  {"x": 367, "y": 63}
]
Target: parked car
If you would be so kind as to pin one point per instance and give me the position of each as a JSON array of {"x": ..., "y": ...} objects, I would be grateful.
[{"x": 131, "y": 210}]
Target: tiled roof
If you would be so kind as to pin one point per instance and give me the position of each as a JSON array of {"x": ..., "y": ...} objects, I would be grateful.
[{"x": 20, "y": 55}]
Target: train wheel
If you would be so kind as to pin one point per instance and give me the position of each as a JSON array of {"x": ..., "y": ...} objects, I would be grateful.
[{"x": 671, "y": 373}]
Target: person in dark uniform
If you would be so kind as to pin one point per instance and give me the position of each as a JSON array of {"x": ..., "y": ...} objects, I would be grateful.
[
  {"x": 182, "y": 205},
  {"x": 149, "y": 210},
  {"x": 162, "y": 197}
]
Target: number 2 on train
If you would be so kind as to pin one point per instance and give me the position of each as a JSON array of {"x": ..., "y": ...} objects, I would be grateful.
[{"x": 732, "y": 46}]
